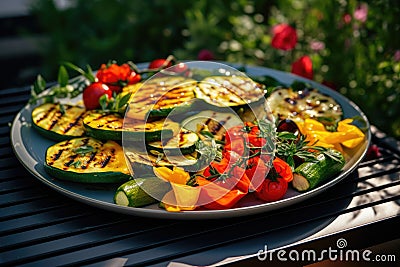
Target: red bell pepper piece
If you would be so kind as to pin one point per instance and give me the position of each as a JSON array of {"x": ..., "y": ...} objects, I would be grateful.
[{"x": 213, "y": 196}]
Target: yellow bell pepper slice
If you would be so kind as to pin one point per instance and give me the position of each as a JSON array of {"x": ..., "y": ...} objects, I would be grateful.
[
  {"x": 347, "y": 134},
  {"x": 176, "y": 175},
  {"x": 182, "y": 196},
  {"x": 346, "y": 126},
  {"x": 170, "y": 203}
]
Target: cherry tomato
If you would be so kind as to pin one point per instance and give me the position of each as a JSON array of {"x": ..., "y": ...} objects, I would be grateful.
[
  {"x": 242, "y": 132},
  {"x": 256, "y": 141},
  {"x": 237, "y": 146},
  {"x": 283, "y": 169},
  {"x": 272, "y": 190},
  {"x": 256, "y": 170},
  {"x": 235, "y": 133},
  {"x": 179, "y": 68},
  {"x": 92, "y": 94},
  {"x": 157, "y": 63}
]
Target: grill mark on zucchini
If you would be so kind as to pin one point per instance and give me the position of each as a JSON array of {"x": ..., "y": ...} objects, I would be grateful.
[
  {"x": 45, "y": 115},
  {"x": 66, "y": 143},
  {"x": 56, "y": 118},
  {"x": 72, "y": 124},
  {"x": 58, "y": 155},
  {"x": 91, "y": 158},
  {"x": 106, "y": 161},
  {"x": 71, "y": 160},
  {"x": 215, "y": 127}
]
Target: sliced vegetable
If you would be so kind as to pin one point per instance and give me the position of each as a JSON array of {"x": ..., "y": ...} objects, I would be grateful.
[
  {"x": 58, "y": 121},
  {"x": 211, "y": 123},
  {"x": 229, "y": 91},
  {"x": 109, "y": 126},
  {"x": 87, "y": 160},
  {"x": 184, "y": 142},
  {"x": 309, "y": 174},
  {"x": 215, "y": 197},
  {"x": 286, "y": 103},
  {"x": 347, "y": 134},
  {"x": 141, "y": 192},
  {"x": 159, "y": 96},
  {"x": 185, "y": 196},
  {"x": 143, "y": 163}
]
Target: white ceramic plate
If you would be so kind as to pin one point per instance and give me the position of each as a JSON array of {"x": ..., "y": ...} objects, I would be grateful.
[{"x": 30, "y": 148}]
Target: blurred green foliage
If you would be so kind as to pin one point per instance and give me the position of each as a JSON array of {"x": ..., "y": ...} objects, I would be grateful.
[{"x": 352, "y": 52}]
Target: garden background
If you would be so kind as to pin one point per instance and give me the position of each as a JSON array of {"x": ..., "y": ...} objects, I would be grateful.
[{"x": 351, "y": 46}]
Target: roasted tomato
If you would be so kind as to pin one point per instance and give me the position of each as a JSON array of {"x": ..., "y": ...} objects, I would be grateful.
[
  {"x": 92, "y": 94},
  {"x": 275, "y": 185},
  {"x": 272, "y": 190},
  {"x": 256, "y": 170}
]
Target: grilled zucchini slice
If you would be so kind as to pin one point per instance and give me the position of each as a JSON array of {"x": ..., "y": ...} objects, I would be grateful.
[
  {"x": 184, "y": 142},
  {"x": 58, "y": 121},
  {"x": 229, "y": 91},
  {"x": 286, "y": 103},
  {"x": 109, "y": 126},
  {"x": 87, "y": 160},
  {"x": 143, "y": 163},
  {"x": 159, "y": 96},
  {"x": 211, "y": 123}
]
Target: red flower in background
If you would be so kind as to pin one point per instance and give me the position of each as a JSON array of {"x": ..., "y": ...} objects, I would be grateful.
[
  {"x": 285, "y": 37},
  {"x": 346, "y": 18},
  {"x": 205, "y": 54},
  {"x": 303, "y": 67},
  {"x": 116, "y": 76}
]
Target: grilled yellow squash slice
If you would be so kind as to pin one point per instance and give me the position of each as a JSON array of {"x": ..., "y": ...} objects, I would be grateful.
[
  {"x": 58, "y": 121},
  {"x": 229, "y": 91},
  {"x": 308, "y": 103},
  {"x": 159, "y": 96},
  {"x": 87, "y": 160},
  {"x": 109, "y": 126}
]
